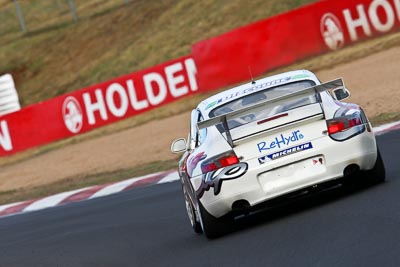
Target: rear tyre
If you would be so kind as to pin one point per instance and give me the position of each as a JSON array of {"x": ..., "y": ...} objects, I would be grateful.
[
  {"x": 193, "y": 218},
  {"x": 377, "y": 174},
  {"x": 213, "y": 227}
]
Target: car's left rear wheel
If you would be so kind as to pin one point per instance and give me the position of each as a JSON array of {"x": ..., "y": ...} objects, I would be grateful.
[{"x": 192, "y": 213}]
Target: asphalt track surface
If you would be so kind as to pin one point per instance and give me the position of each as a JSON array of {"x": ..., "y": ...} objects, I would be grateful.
[{"x": 149, "y": 227}]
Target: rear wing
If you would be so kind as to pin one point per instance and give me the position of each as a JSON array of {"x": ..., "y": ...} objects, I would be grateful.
[{"x": 223, "y": 119}]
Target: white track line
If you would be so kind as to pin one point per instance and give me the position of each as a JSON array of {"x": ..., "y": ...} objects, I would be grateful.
[{"x": 384, "y": 127}]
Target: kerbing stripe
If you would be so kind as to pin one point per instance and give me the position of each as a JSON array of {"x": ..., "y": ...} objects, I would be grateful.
[
  {"x": 51, "y": 201},
  {"x": 83, "y": 195},
  {"x": 386, "y": 128},
  {"x": 4, "y": 207},
  {"x": 111, "y": 189},
  {"x": 17, "y": 208},
  {"x": 120, "y": 186},
  {"x": 151, "y": 180},
  {"x": 173, "y": 176}
]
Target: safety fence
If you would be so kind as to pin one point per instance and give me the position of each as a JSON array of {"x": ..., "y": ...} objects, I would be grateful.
[{"x": 32, "y": 17}]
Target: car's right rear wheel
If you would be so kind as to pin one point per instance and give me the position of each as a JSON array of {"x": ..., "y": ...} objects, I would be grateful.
[
  {"x": 377, "y": 174},
  {"x": 213, "y": 227}
]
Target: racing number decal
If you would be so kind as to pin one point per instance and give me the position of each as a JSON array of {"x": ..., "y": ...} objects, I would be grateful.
[{"x": 214, "y": 179}]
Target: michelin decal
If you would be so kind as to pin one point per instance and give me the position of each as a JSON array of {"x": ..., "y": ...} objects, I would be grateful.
[{"x": 285, "y": 152}]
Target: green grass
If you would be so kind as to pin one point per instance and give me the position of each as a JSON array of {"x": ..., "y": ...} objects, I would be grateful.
[{"x": 385, "y": 118}]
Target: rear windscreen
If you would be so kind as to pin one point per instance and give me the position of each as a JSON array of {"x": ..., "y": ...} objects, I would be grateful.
[{"x": 265, "y": 95}]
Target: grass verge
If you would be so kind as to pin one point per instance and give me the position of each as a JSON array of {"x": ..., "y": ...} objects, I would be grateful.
[
  {"x": 384, "y": 118},
  {"x": 77, "y": 182}
]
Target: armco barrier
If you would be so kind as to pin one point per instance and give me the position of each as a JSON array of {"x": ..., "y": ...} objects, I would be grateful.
[
  {"x": 288, "y": 37},
  {"x": 97, "y": 105}
]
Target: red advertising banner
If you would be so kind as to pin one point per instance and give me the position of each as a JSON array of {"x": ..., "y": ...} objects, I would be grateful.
[
  {"x": 280, "y": 40},
  {"x": 97, "y": 105}
]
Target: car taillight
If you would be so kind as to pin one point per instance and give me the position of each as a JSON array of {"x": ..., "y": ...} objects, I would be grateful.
[
  {"x": 335, "y": 126},
  {"x": 219, "y": 161},
  {"x": 343, "y": 123}
]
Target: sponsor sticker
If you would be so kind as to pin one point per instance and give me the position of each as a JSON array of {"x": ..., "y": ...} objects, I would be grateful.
[
  {"x": 72, "y": 114},
  {"x": 280, "y": 141},
  {"x": 331, "y": 31},
  {"x": 192, "y": 162},
  {"x": 285, "y": 152},
  {"x": 300, "y": 76},
  {"x": 214, "y": 179},
  {"x": 252, "y": 89}
]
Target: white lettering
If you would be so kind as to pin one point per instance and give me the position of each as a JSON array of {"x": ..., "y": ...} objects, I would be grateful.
[
  {"x": 352, "y": 24},
  {"x": 373, "y": 15},
  {"x": 397, "y": 5},
  {"x": 149, "y": 80},
  {"x": 192, "y": 71},
  {"x": 173, "y": 80},
  {"x": 96, "y": 106},
  {"x": 5, "y": 140},
  {"x": 137, "y": 105},
  {"x": 118, "y": 89}
]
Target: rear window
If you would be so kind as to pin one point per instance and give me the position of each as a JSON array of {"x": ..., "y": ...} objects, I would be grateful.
[{"x": 263, "y": 96}]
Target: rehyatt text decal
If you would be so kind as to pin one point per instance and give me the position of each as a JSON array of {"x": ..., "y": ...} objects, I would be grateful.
[{"x": 280, "y": 141}]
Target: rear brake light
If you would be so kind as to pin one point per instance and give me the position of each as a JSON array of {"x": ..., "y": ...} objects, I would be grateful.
[
  {"x": 354, "y": 122},
  {"x": 342, "y": 123},
  {"x": 335, "y": 126},
  {"x": 220, "y": 161}
]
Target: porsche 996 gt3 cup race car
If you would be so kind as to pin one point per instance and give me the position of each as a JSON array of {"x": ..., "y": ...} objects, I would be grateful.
[{"x": 278, "y": 136}]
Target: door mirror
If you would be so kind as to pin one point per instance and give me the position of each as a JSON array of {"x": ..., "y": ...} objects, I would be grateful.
[
  {"x": 341, "y": 93},
  {"x": 178, "y": 146}
]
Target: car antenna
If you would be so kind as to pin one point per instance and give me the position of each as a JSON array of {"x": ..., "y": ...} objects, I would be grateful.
[{"x": 251, "y": 75}]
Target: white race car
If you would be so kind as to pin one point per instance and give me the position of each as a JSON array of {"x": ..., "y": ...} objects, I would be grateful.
[{"x": 276, "y": 137}]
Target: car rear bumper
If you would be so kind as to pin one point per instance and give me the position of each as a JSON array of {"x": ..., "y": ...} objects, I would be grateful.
[{"x": 326, "y": 161}]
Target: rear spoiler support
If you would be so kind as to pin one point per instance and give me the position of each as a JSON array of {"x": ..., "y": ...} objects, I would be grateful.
[{"x": 228, "y": 133}]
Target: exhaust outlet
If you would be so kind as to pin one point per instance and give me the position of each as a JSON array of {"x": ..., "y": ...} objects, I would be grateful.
[
  {"x": 240, "y": 205},
  {"x": 351, "y": 170}
]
